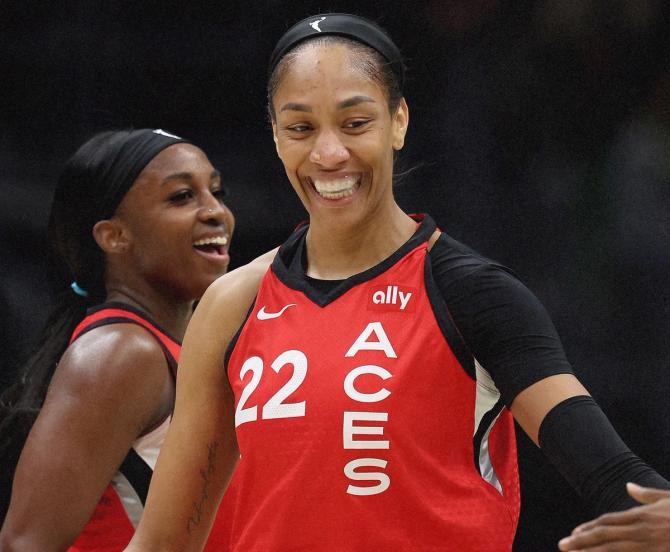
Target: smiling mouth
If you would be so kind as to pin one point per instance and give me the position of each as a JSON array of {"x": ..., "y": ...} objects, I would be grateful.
[
  {"x": 215, "y": 246},
  {"x": 336, "y": 188}
]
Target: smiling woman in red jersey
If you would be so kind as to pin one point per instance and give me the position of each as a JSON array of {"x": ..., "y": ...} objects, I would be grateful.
[
  {"x": 372, "y": 380},
  {"x": 141, "y": 230}
]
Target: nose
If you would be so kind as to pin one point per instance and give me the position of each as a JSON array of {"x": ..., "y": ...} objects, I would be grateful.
[
  {"x": 214, "y": 212},
  {"x": 328, "y": 150}
]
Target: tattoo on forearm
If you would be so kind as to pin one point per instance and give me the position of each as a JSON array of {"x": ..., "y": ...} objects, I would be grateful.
[{"x": 205, "y": 474}]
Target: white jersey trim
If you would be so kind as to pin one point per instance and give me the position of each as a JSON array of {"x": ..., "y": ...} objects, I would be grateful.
[
  {"x": 129, "y": 498},
  {"x": 487, "y": 396},
  {"x": 147, "y": 448}
]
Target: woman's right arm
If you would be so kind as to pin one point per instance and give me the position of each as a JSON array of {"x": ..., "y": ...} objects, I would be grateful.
[
  {"x": 200, "y": 451},
  {"x": 97, "y": 404}
]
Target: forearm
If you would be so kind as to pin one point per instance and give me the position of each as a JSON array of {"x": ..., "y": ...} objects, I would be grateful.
[
  {"x": 200, "y": 451},
  {"x": 193, "y": 469},
  {"x": 580, "y": 441},
  {"x": 180, "y": 510}
]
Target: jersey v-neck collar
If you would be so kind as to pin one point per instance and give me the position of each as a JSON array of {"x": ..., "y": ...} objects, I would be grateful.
[{"x": 288, "y": 264}]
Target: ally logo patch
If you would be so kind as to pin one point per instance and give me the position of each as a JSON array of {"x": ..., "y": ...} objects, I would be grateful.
[{"x": 390, "y": 297}]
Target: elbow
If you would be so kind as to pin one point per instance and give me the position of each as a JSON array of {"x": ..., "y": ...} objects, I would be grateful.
[
  {"x": 29, "y": 536},
  {"x": 12, "y": 542}
]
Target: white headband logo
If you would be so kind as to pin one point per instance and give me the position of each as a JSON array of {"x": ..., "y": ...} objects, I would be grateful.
[
  {"x": 161, "y": 131},
  {"x": 315, "y": 24}
]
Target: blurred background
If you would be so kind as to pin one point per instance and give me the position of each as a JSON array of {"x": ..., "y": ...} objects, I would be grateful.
[{"x": 539, "y": 135}]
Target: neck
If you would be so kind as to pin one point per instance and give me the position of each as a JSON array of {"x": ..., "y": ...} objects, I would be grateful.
[
  {"x": 339, "y": 251},
  {"x": 170, "y": 313}
]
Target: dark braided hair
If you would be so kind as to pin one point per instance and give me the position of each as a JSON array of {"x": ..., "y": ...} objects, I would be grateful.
[{"x": 76, "y": 257}]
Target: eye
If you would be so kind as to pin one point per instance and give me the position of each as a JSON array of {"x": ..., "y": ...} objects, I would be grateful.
[
  {"x": 354, "y": 124},
  {"x": 299, "y": 128},
  {"x": 182, "y": 196}
]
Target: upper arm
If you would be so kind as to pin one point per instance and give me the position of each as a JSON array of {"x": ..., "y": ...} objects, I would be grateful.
[
  {"x": 110, "y": 385},
  {"x": 179, "y": 510},
  {"x": 508, "y": 332},
  {"x": 503, "y": 325},
  {"x": 513, "y": 336}
]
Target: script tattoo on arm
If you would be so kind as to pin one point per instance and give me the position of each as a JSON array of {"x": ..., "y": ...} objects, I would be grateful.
[{"x": 205, "y": 474}]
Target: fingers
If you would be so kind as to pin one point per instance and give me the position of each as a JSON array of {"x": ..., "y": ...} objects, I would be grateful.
[
  {"x": 602, "y": 539},
  {"x": 646, "y": 495},
  {"x": 627, "y": 517},
  {"x": 609, "y": 532},
  {"x": 643, "y": 528},
  {"x": 619, "y": 546}
]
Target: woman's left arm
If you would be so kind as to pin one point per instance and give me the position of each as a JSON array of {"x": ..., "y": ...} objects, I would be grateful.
[
  {"x": 578, "y": 439},
  {"x": 508, "y": 331},
  {"x": 530, "y": 407}
]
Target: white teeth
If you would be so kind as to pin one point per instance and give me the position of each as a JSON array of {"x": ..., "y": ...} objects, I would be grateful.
[
  {"x": 220, "y": 240},
  {"x": 336, "y": 189}
]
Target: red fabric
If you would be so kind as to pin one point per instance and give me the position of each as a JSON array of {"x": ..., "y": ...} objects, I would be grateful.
[
  {"x": 294, "y": 375},
  {"x": 108, "y": 530}
]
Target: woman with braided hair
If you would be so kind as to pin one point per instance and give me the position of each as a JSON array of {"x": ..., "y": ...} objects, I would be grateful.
[{"x": 140, "y": 229}]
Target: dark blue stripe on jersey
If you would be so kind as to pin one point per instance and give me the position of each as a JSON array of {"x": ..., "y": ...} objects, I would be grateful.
[
  {"x": 446, "y": 323},
  {"x": 484, "y": 425},
  {"x": 138, "y": 473},
  {"x": 125, "y": 306}
]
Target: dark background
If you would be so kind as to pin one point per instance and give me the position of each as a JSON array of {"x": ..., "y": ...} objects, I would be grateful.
[{"x": 539, "y": 135}]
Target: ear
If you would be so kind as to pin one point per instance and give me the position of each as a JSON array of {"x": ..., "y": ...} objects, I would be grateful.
[
  {"x": 400, "y": 123},
  {"x": 112, "y": 236}
]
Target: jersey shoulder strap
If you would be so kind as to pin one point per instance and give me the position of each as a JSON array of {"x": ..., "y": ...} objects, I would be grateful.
[{"x": 120, "y": 313}]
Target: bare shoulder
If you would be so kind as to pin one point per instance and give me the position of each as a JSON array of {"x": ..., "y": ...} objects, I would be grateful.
[
  {"x": 228, "y": 299},
  {"x": 114, "y": 364},
  {"x": 109, "y": 352},
  {"x": 219, "y": 314},
  {"x": 246, "y": 277}
]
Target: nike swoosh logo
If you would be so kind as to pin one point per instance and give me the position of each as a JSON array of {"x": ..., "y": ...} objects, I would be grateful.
[
  {"x": 315, "y": 24},
  {"x": 264, "y": 315}
]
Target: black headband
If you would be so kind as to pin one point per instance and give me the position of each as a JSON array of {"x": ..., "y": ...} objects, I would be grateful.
[
  {"x": 127, "y": 156},
  {"x": 341, "y": 24}
]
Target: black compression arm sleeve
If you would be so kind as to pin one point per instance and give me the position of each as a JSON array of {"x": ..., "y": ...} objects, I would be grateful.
[{"x": 581, "y": 443}]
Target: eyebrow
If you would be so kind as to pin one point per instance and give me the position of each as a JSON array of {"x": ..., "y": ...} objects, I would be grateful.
[
  {"x": 355, "y": 100},
  {"x": 291, "y": 106},
  {"x": 349, "y": 102},
  {"x": 188, "y": 176}
]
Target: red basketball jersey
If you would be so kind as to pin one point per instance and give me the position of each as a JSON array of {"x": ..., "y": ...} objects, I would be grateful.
[
  {"x": 359, "y": 428},
  {"x": 119, "y": 509}
]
